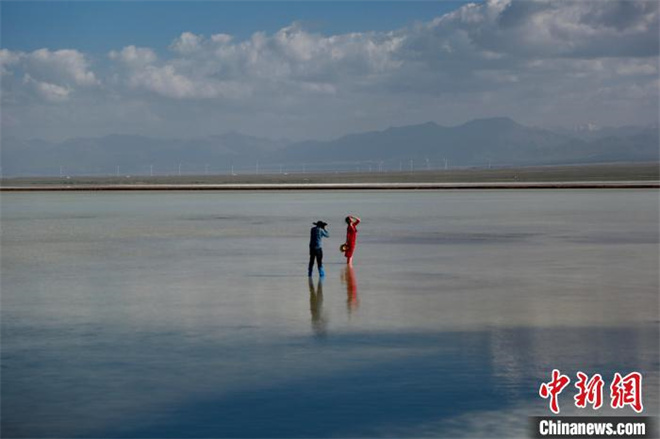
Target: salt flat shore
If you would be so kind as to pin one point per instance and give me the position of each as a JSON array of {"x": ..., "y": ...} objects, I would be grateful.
[
  {"x": 342, "y": 186},
  {"x": 608, "y": 176}
]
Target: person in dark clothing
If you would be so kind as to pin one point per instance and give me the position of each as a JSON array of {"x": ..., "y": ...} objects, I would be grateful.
[{"x": 315, "y": 247}]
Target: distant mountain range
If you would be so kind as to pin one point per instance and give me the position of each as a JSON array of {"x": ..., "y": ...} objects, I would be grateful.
[{"x": 479, "y": 143}]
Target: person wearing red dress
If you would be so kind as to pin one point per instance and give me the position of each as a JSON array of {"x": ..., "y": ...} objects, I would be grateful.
[{"x": 351, "y": 238}]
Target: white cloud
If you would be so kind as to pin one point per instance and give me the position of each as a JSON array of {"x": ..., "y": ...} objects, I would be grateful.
[
  {"x": 47, "y": 91},
  {"x": 221, "y": 38},
  {"x": 134, "y": 56},
  {"x": 187, "y": 42},
  {"x": 167, "y": 82},
  {"x": 637, "y": 67},
  {"x": 569, "y": 28},
  {"x": 61, "y": 67},
  {"x": 291, "y": 60},
  {"x": 164, "y": 81},
  {"x": 543, "y": 62},
  {"x": 50, "y": 76},
  {"x": 458, "y": 51},
  {"x": 7, "y": 58}
]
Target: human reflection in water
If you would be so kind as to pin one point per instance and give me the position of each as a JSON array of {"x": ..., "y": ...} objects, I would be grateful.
[
  {"x": 348, "y": 277},
  {"x": 319, "y": 323}
]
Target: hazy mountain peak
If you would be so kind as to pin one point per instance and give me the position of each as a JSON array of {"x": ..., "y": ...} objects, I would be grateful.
[
  {"x": 424, "y": 125},
  {"x": 493, "y": 122},
  {"x": 587, "y": 127},
  {"x": 499, "y": 141}
]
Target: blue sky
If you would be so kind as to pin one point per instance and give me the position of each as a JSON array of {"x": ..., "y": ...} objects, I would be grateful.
[
  {"x": 319, "y": 70},
  {"x": 100, "y": 26}
]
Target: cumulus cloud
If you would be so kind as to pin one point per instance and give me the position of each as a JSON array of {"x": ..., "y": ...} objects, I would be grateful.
[
  {"x": 221, "y": 38},
  {"x": 49, "y": 76},
  {"x": 48, "y": 91},
  {"x": 178, "y": 78},
  {"x": 134, "y": 56},
  {"x": 188, "y": 42},
  {"x": 167, "y": 82},
  {"x": 538, "y": 60},
  {"x": 290, "y": 60},
  {"x": 7, "y": 59},
  {"x": 559, "y": 28},
  {"x": 489, "y": 42},
  {"x": 60, "y": 66}
]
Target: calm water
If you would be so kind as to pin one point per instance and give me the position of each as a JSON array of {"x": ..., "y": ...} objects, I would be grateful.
[{"x": 191, "y": 315}]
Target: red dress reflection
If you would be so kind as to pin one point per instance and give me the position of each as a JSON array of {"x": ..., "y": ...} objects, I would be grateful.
[{"x": 352, "y": 301}]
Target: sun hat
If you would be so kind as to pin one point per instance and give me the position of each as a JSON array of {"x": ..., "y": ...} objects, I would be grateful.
[{"x": 320, "y": 223}]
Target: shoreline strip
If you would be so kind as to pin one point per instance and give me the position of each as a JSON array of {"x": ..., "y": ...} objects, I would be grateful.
[{"x": 341, "y": 186}]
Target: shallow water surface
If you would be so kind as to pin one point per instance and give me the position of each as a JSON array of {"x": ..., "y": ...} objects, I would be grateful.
[{"x": 189, "y": 314}]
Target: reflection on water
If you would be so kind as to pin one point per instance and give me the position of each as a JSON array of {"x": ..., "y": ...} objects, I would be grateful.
[
  {"x": 348, "y": 278},
  {"x": 182, "y": 315},
  {"x": 319, "y": 324}
]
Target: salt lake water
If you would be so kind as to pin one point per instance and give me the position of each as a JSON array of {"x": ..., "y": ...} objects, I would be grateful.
[{"x": 190, "y": 314}]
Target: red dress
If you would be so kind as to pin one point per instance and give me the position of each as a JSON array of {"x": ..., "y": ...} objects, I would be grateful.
[{"x": 351, "y": 237}]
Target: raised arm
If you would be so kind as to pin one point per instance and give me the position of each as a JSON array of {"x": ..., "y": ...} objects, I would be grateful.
[
  {"x": 356, "y": 220},
  {"x": 324, "y": 233}
]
